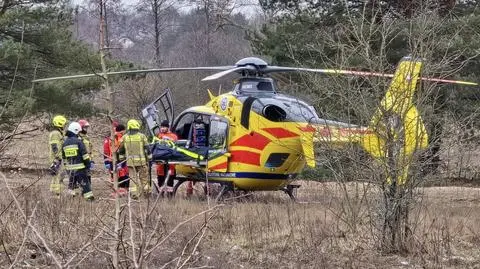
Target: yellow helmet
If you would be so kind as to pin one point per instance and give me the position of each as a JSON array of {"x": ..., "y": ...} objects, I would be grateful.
[
  {"x": 133, "y": 125},
  {"x": 59, "y": 121}
]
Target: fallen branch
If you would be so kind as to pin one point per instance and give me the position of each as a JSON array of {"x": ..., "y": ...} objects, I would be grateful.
[{"x": 15, "y": 134}]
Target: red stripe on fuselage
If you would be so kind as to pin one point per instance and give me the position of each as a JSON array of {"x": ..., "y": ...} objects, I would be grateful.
[
  {"x": 308, "y": 129},
  {"x": 246, "y": 157},
  {"x": 253, "y": 140},
  {"x": 219, "y": 166},
  {"x": 280, "y": 132}
]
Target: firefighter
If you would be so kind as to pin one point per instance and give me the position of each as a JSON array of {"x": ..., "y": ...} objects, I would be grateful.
[
  {"x": 162, "y": 169},
  {"x": 122, "y": 171},
  {"x": 77, "y": 161},
  {"x": 55, "y": 141},
  {"x": 88, "y": 145},
  {"x": 135, "y": 149},
  {"x": 84, "y": 136}
]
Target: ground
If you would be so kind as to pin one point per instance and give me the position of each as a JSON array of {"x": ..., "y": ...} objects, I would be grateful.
[
  {"x": 323, "y": 229},
  {"x": 332, "y": 225}
]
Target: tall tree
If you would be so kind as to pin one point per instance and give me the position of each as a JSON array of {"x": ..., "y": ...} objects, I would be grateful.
[
  {"x": 160, "y": 15},
  {"x": 37, "y": 36}
]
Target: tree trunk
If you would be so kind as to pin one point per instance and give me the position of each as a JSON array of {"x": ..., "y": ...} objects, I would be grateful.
[
  {"x": 110, "y": 107},
  {"x": 396, "y": 230},
  {"x": 155, "y": 10},
  {"x": 105, "y": 27}
]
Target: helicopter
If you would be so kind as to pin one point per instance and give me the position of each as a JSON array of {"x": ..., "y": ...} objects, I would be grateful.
[{"x": 258, "y": 139}]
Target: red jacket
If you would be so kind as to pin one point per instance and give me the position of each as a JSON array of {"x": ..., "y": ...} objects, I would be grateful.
[
  {"x": 168, "y": 135},
  {"x": 171, "y": 167},
  {"x": 107, "y": 153}
]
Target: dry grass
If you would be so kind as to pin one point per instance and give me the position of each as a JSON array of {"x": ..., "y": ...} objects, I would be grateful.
[
  {"x": 331, "y": 226},
  {"x": 264, "y": 231}
]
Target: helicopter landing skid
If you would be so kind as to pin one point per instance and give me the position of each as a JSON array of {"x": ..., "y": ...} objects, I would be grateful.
[{"x": 291, "y": 190}]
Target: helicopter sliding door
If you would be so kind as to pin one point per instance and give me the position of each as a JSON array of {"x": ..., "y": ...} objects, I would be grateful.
[
  {"x": 151, "y": 114},
  {"x": 217, "y": 140}
]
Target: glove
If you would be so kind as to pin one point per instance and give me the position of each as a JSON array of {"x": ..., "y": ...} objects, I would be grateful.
[
  {"x": 119, "y": 166},
  {"x": 108, "y": 165},
  {"x": 52, "y": 170},
  {"x": 92, "y": 165},
  {"x": 54, "y": 167}
]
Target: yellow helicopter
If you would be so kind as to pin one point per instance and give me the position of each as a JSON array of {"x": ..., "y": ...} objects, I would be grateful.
[{"x": 255, "y": 138}]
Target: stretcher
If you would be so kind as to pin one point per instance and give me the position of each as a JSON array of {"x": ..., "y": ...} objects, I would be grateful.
[{"x": 169, "y": 152}]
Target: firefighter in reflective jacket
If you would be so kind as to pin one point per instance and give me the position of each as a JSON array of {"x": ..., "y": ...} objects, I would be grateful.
[
  {"x": 55, "y": 141},
  {"x": 84, "y": 136},
  {"x": 77, "y": 161},
  {"x": 162, "y": 169},
  {"x": 87, "y": 142},
  {"x": 134, "y": 146}
]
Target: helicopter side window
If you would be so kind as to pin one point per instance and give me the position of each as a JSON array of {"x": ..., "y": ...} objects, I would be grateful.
[
  {"x": 301, "y": 112},
  {"x": 284, "y": 110},
  {"x": 218, "y": 134},
  {"x": 183, "y": 126}
]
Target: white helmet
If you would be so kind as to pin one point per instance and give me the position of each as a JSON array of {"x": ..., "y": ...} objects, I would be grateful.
[{"x": 74, "y": 127}]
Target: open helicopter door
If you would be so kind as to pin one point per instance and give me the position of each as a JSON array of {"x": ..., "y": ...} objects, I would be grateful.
[
  {"x": 217, "y": 142},
  {"x": 151, "y": 115}
]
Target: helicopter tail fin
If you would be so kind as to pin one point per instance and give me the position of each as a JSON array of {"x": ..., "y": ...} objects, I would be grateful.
[
  {"x": 397, "y": 129},
  {"x": 308, "y": 148}
]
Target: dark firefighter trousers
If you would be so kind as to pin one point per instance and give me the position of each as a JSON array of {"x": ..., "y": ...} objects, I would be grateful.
[{"x": 80, "y": 178}]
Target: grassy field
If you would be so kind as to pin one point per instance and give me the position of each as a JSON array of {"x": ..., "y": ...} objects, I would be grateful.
[
  {"x": 332, "y": 225},
  {"x": 324, "y": 229}
]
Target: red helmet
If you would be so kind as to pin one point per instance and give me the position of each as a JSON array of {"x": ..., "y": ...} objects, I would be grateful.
[{"x": 84, "y": 123}]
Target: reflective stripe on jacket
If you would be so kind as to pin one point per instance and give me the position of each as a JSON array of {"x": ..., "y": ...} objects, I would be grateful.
[
  {"x": 75, "y": 154},
  {"x": 135, "y": 146}
]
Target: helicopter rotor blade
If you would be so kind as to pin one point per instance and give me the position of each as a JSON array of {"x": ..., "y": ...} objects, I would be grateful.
[
  {"x": 271, "y": 69},
  {"x": 226, "y": 72},
  {"x": 153, "y": 70}
]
